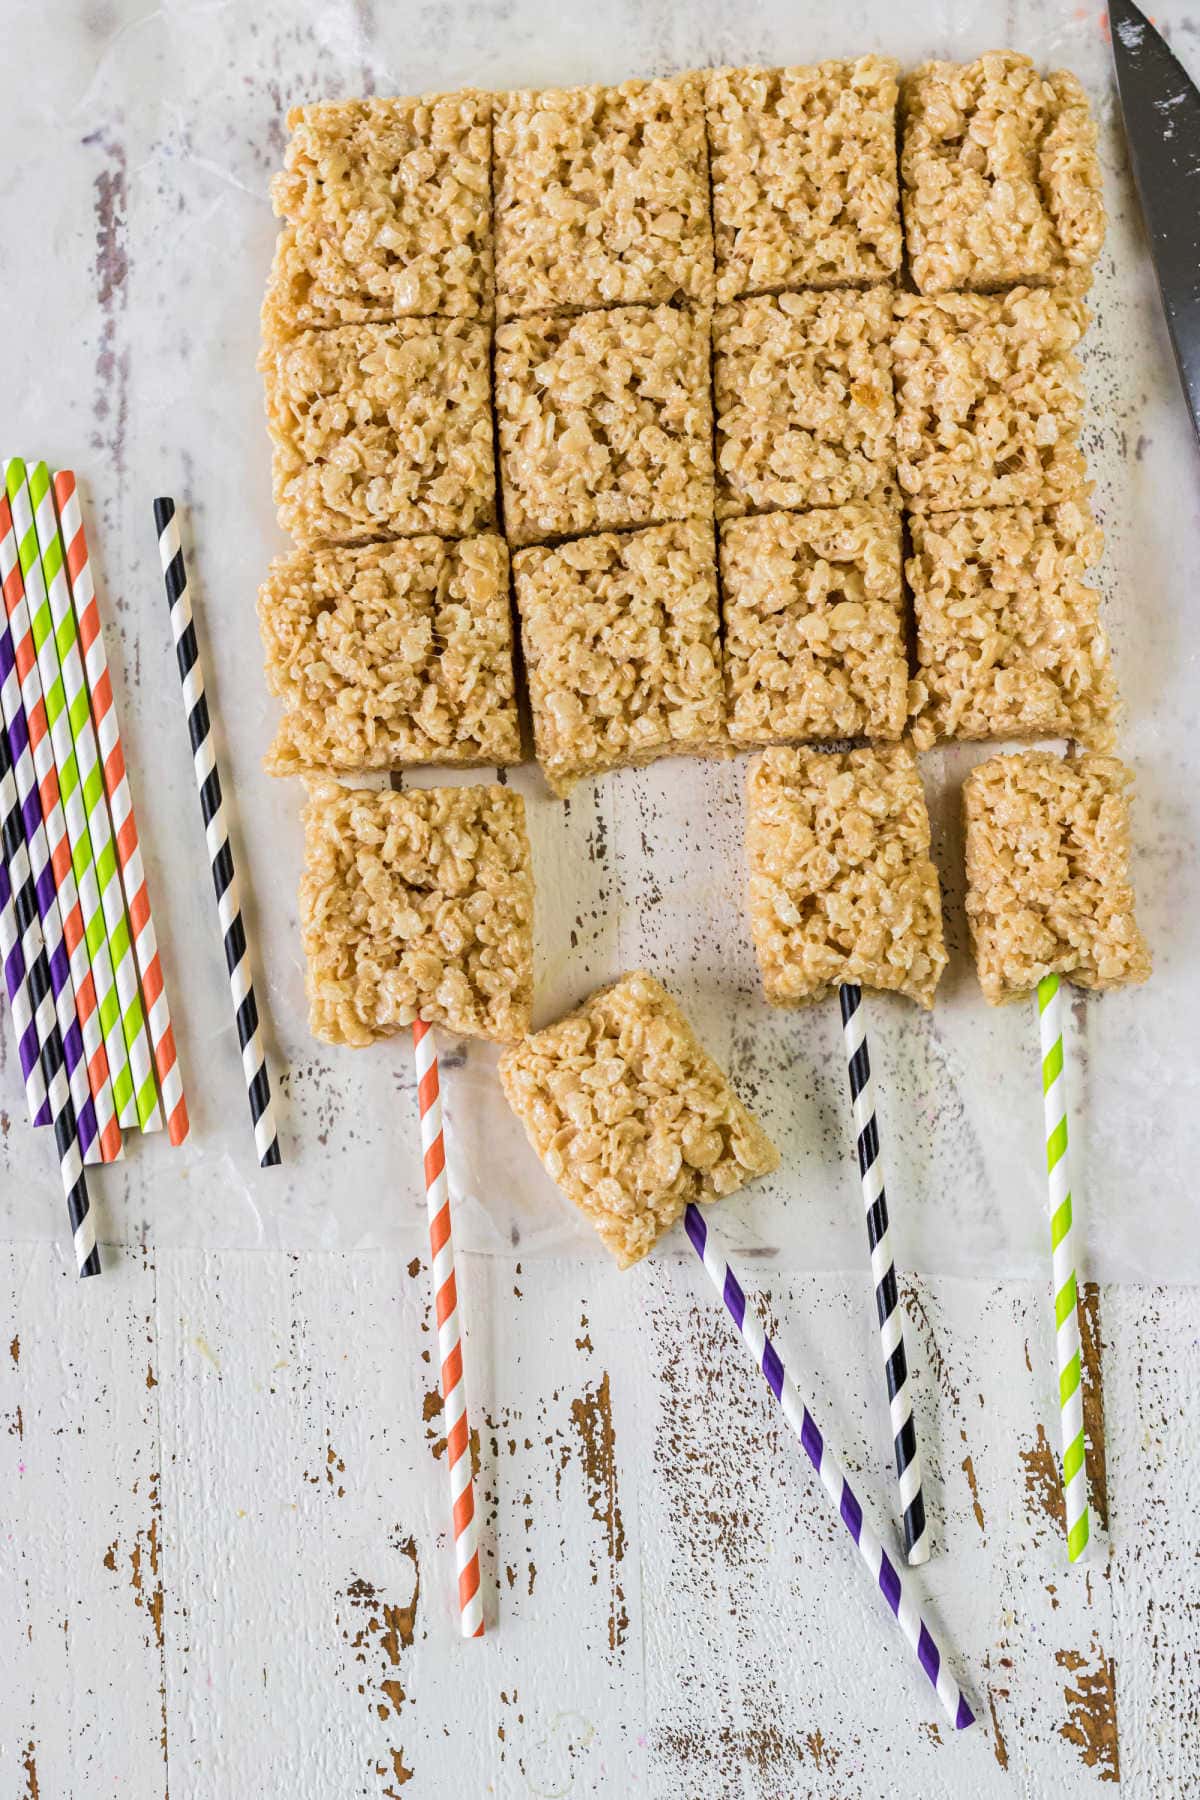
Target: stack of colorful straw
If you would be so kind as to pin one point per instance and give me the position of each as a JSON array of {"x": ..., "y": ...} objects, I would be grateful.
[{"x": 80, "y": 956}]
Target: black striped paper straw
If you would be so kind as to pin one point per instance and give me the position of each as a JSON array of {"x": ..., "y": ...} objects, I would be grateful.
[
  {"x": 212, "y": 805},
  {"x": 883, "y": 1272}
]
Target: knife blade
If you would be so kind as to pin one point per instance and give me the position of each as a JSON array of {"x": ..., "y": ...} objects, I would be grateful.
[{"x": 1161, "y": 108}]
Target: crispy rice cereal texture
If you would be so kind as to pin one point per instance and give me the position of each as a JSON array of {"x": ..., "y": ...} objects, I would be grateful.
[
  {"x": 602, "y": 197},
  {"x": 841, "y": 885},
  {"x": 386, "y": 210},
  {"x": 1001, "y": 178},
  {"x": 605, "y": 421},
  {"x": 814, "y": 625},
  {"x": 1009, "y": 639},
  {"x": 382, "y": 431},
  {"x": 1048, "y": 886},
  {"x": 629, "y": 1115},
  {"x": 621, "y": 635},
  {"x": 391, "y": 654},
  {"x": 803, "y": 386},
  {"x": 416, "y": 905},
  {"x": 988, "y": 399},
  {"x": 804, "y": 187}
]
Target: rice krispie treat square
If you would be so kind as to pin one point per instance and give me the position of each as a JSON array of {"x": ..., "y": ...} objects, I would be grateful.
[
  {"x": 841, "y": 884},
  {"x": 1009, "y": 639},
  {"x": 622, "y": 643},
  {"x": 602, "y": 197},
  {"x": 629, "y": 1115},
  {"x": 391, "y": 654},
  {"x": 988, "y": 399},
  {"x": 1001, "y": 179},
  {"x": 814, "y": 625},
  {"x": 386, "y": 209},
  {"x": 804, "y": 188},
  {"x": 605, "y": 421},
  {"x": 416, "y": 905},
  {"x": 382, "y": 431},
  {"x": 1048, "y": 889},
  {"x": 803, "y": 386}
]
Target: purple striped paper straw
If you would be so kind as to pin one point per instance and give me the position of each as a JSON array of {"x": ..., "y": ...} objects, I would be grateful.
[
  {"x": 16, "y": 980},
  {"x": 884, "y": 1572}
]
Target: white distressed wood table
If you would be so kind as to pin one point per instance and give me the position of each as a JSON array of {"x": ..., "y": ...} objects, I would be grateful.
[{"x": 224, "y": 1567}]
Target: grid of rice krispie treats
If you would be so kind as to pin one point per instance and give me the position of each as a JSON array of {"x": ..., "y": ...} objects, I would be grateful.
[
  {"x": 804, "y": 190},
  {"x": 1048, "y": 887},
  {"x": 621, "y": 637},
  {"x": 386, "y": 213},
  {"x": 803, "y": 388},
  {"x": 1001, "y": 178},
  {"x": 1009, "y": 639},
  {"x": 605, "y": 421},
  {"x": 989, "y": 403},
  {"x": 630, "y": 1116},
  {"x": 814, "y": 625},
  {"x": 841, "y": 884},
  {"x": 416, "y": 905},
  {"x": 391, "y": 654},
  {"x": 382, "y": 431},
  {"x": 602, "y": 197}
]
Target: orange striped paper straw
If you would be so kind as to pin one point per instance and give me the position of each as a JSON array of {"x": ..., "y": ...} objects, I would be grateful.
[
  {"x": 116, "y": 784},
  {"x": 445, "y": 1291}
]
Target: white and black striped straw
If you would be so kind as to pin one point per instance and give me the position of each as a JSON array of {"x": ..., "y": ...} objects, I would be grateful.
[
  {"x": 212, "y": 805},
  {"x": 883, "y": 1272}
]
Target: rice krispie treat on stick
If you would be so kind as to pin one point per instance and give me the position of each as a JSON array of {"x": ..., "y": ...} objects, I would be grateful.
[
  {"x": 804, "y": 189},
  {"x": 1048, "y": 889},
  {"x": 605, "y": 421},
  {"x": 989, "y": 403},
  {"x": 803, "y": 390},
  {"x": 602, "y": 197},
  {"x": 1001, "y": 179},
  {"x": 621, "y": 636},
  {"x": 1009, "y": 639},
  {"x": 841, "y": 885},
  {"x": 629, "y": 1115},
  {"x": 416, "y": 905},
  {"x": 814, "y": 625},
  {"x": 386, "y": 213},
  {"x": 391, "y": 654},
  {"x": 382, "y": 431}
]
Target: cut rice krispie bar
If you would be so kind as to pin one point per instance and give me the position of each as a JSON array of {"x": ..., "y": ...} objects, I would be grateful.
[
  {"x": 988, "y": 399},
  {"x": 814, "y": 625},
  {"x": 1001, "y": 178},
  {"x": 605, "y": 421},
  {"x": 602, "y": 197},
  {"x": 803, "y": 386},
  {"x": 416, "y": 905},
  {"x": 1009, "y": 639},
  {"x": 630, "y": 1116},
  {"x": 804, "y": 188},
  {"x": 841, "y": 884},
  {"x": 382, "y": 431},
  {"x": 391, "y": 654},
  {"x": 1048, "y": 887},
  {"x": 621, "y": 635},
  {"x": 387, "y": 213}
]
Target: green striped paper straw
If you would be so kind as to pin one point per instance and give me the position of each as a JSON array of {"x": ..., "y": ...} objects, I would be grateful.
[{"x": 1066, "y": 1316}]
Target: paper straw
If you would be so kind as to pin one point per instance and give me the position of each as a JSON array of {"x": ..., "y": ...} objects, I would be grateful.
[
  {"x": 84, "y": 800},
  {"x": 23, "y": 913},
  {"x": 445, "y": 1293},
  {"x": 1066, "y": 1317},
  {"x": 36, "y": 782},
  {"x": 883, "y": 1273},
  {"x": 884, "y": 1573},
  {"x": 116, "y": 783},
  {"x": 16, "y": 980},
  {"x": 208, "y": 781}
]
